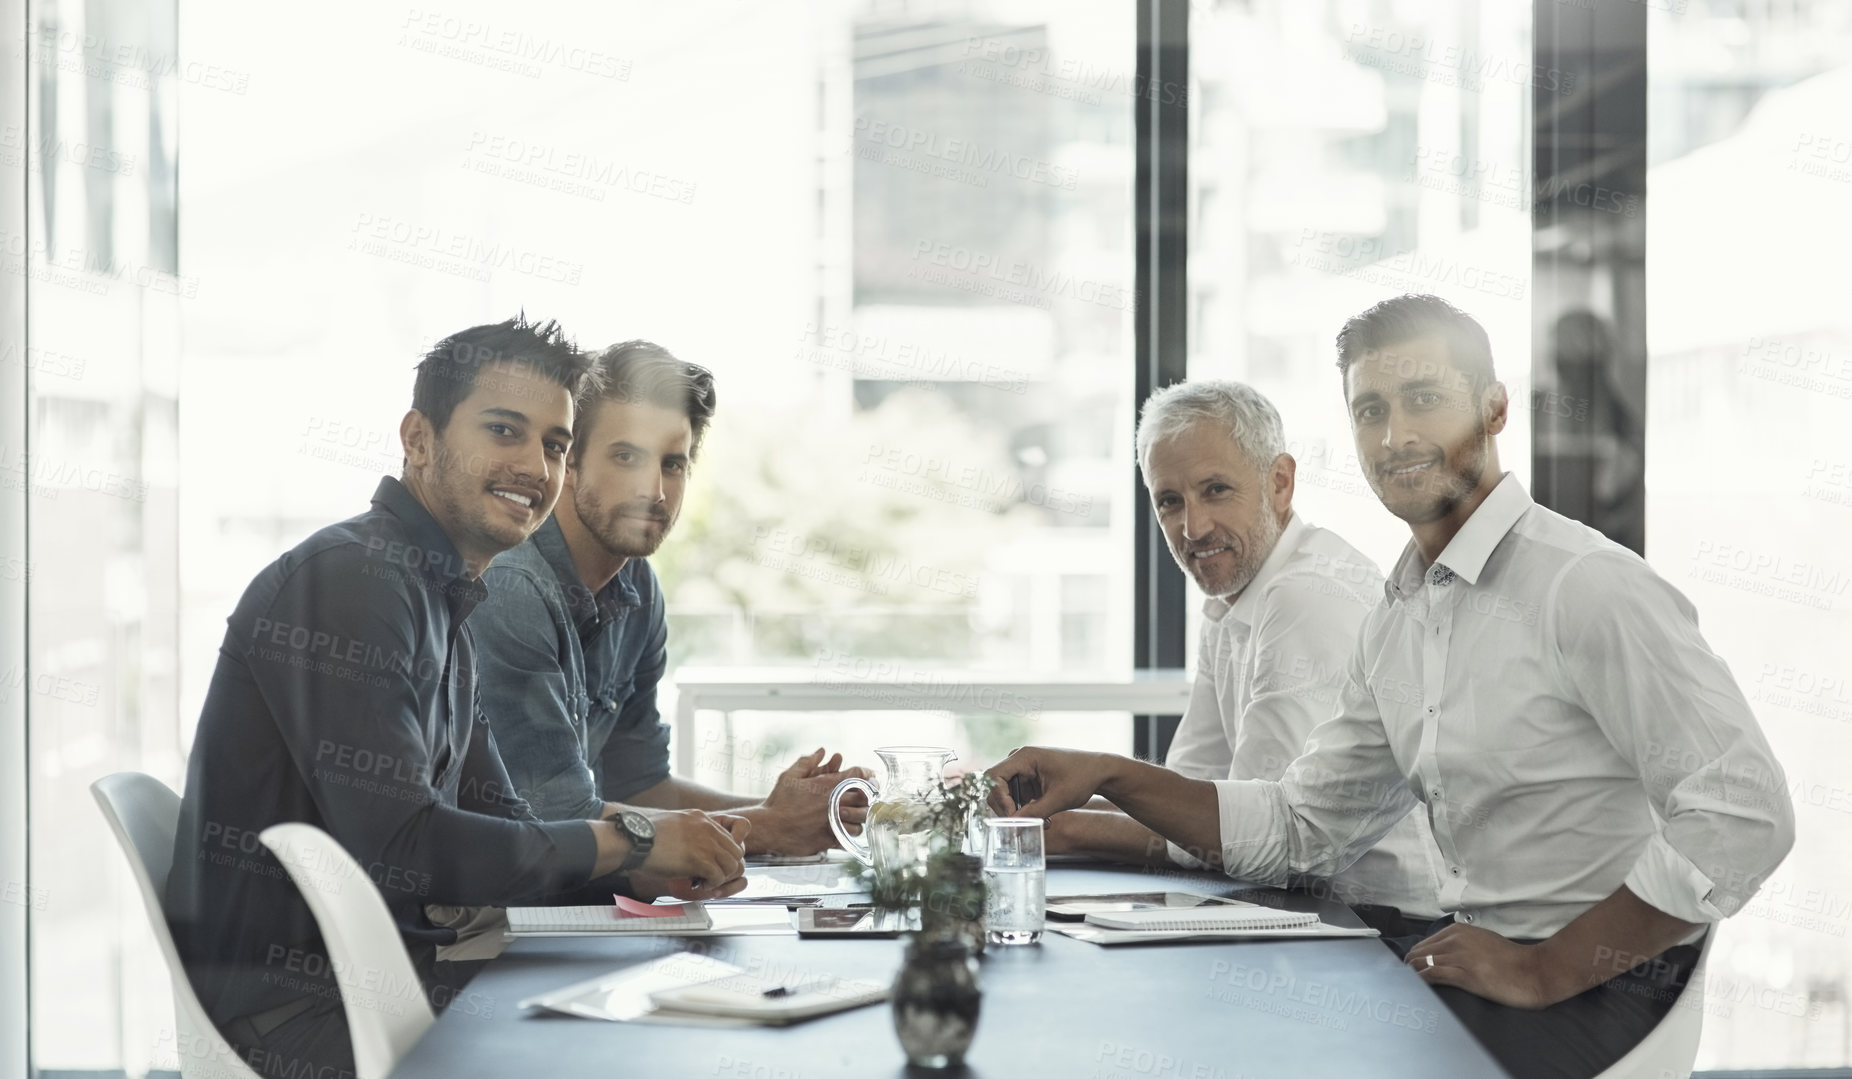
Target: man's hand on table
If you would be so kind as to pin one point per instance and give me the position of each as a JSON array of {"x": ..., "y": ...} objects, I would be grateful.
[
  {"x": 794, "y": 818},
  {"x": 1052, "y": 780},
  {"x": 1107, "y": 834},
  {"x": 696, "y": 855}
]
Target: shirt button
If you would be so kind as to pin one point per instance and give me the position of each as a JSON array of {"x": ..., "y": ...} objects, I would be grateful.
[
  {"x": 1432, "y": 710},
  {"x": 1455, "y": 870},
  {"x": 1435, "y": 792},
  {"x": 1467, "y": 918}
]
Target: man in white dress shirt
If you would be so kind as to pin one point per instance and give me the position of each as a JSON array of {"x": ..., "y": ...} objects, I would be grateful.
[
  {"x": 1285, "y": 600},
  {"x": 1598, "y": 788}
]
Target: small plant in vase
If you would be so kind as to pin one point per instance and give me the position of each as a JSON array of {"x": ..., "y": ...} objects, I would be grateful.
[{"x": 936, "y": 996}]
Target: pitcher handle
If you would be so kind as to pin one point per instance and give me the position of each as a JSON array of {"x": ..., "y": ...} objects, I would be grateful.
[{"x": 857, "y": 847}]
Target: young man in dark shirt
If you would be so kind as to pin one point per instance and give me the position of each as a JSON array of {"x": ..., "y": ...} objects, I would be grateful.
[{"x": 345, "y": 697}]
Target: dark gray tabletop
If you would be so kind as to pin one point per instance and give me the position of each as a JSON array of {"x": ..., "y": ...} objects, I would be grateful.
[{"x": 1205, "y": 1010}]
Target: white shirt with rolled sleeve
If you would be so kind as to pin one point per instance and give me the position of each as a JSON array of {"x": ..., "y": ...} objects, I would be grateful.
[
  {"x": 1268, "y": 670},
  {"x": 1549, "y": 699}
]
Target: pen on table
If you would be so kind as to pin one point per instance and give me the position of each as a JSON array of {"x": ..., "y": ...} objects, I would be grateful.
[
  {"x": 786, "y": 901},
  {"x": 793, "y": 990}
]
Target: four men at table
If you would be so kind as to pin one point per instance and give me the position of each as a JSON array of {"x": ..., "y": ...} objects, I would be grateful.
[{"x": 1539, "y": 691}]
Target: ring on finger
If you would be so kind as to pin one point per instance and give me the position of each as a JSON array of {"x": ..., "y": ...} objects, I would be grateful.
[{"x": 1430, "y": 962}]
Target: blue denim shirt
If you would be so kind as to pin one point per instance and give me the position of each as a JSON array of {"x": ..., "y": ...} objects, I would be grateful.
[{"x": 569, "y": 677}]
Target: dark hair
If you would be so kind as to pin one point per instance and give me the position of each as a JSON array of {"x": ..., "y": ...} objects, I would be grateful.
[
  {"x": 1402, "y": 318},
  {"x": 449, "y": 372},
  {"x": 645, "y": 371}
]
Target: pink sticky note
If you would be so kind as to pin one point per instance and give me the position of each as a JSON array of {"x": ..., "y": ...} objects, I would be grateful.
[{"x": 630, "y": 908}]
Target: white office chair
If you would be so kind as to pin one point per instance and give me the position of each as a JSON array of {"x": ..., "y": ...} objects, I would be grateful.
[
  {"x": 380, "y": 990},
  {"x": 1670, "y": 1049},
  {"x": 144, "y": 813}
]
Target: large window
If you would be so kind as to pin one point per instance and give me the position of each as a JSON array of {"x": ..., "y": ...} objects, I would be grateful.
[
  {"x": 902, "y": 234},
  {"x": 898, "y": 233},
  {"x": 1342, "y": 153},
  {"x": 105, "y": 296},
  {"x": 1748, "y": 468}
]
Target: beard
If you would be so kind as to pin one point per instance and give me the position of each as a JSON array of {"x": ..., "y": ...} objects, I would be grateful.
[
  {"x": 633, "y": 529},
  {"x": 1249, "y": 554},
  {"x": 1448, "y": 484},
  {"x": 460, "y": 500}
]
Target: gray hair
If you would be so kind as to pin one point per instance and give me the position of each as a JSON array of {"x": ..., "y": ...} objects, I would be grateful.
[{"x": 1250, "y": 419}]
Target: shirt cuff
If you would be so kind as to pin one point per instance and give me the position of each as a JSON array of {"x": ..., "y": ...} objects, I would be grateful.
[
  {"x": 1183, "y": 857},
  {"x": 1255, "y": 822},
  {"x": 577, "y": 845},
  {"x": 1668, "y": 881}
]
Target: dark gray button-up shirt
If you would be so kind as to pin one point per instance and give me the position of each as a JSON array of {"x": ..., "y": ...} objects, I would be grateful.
[
  {"x": 345, "y": 697},
  {"x": 569, "y": 677}
]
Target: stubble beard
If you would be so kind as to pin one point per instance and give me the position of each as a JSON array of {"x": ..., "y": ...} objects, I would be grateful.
[
  {"x": 1252, "y": 551},
  {"x": 1454, "y": 485},
  {"x": 459, "y": 495},
  {"x": 621, "y": 536}
]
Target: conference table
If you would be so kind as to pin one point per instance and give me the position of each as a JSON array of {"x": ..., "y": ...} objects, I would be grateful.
[{"x": 1246, "y": 1009}]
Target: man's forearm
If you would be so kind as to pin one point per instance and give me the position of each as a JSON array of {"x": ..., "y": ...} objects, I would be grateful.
[
  {"x": 1609, "y": 938},
  {"x": 1108, "y": 833},
  {"x": 678, "y": 793},
  {"x": 1182, "y": 810}
]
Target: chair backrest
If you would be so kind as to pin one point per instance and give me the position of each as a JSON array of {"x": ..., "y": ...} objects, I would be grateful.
[
  {"x": 143, "y": 814},
  {"x": 380, "y": 990},
  {"x": 1671, "y": 1048}
]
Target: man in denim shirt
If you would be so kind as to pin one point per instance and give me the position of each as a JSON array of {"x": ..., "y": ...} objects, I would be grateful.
[
  {"x": 345, "y": 697},
  {"x": 573, "y": 639}
]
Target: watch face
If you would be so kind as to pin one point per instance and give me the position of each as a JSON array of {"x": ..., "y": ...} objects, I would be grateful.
[{"x": 639, "y": 825}]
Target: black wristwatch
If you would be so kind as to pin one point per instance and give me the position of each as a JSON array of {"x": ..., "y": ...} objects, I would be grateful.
[{"x": 642, "y": 833}]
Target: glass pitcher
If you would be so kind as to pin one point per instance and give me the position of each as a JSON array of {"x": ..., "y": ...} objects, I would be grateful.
[{"x": 898, "y": 833}]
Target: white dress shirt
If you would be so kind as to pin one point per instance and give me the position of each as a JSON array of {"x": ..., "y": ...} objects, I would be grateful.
[
  {"x": 1268, "y": 670},
  {"x": 1548, "y": 697}
]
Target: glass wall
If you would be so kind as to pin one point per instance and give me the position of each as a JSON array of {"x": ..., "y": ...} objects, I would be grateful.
[
  {"x": 105, "y": 299},
  {"x": 1342, "y": 153},
  {"x": 1748, "y": 468},
  {"x": 898, "y": 233}
]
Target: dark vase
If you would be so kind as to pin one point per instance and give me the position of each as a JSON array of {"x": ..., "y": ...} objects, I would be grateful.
[{"x": 936, "y": 1000}]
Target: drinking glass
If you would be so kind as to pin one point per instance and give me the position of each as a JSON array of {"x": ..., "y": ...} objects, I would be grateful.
[{"x": 1015, "y": 880}]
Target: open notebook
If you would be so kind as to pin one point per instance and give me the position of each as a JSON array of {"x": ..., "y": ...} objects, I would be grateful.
[{"x": 1204, "y": 919}]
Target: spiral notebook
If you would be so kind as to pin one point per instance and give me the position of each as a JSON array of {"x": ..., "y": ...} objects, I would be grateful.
[
  {"x": 625, "y": 916},
  {"x": 1203, "y": 919}
]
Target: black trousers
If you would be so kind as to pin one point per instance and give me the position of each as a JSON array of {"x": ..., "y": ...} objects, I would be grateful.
[
  {"x": 309, "y": 1038},
  {"x": 311, "y": 1043},
  {"x": 1575, "y": 1039}
]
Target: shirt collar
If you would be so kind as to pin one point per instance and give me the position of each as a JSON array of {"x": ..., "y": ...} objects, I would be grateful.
[
  {"x": 1466, "y": 554},
  {"x": 1242, "y": 609},
  {"x": 580, "y": 601},
  {"x": 437, "y": 558}
]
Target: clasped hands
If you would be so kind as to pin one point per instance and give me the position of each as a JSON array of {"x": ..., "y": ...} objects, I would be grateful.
[{"x": 701, "y": 855}]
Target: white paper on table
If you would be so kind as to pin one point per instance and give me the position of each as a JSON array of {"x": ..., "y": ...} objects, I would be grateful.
[
  {"x": 1094, "y": 934},
  {"x": 623, "y": 996},
  {"x": 750, "y": 921},
  {"x": 775, "y": 882}
]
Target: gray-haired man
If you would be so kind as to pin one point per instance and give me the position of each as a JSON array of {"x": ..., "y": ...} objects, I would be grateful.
[{"x": 1285, "y": 600}]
